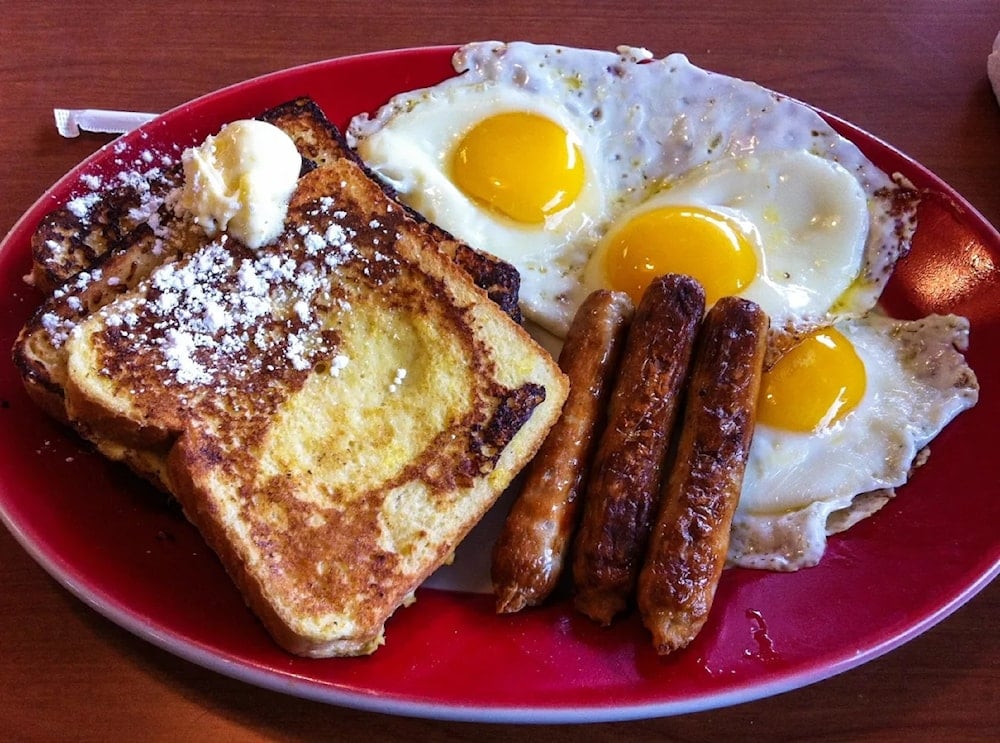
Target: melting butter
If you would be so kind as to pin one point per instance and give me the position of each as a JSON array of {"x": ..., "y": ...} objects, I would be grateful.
[{"x": 241, "y": 180}]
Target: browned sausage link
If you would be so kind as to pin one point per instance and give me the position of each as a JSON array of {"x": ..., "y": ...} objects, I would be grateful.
[
  {"x": 624, "y": 485},
  {"x": 687, "y": 547},
  {"x": 531, "y": 549}
]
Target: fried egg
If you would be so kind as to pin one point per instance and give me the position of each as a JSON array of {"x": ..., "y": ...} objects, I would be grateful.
[
  {"x": 786, "y": 229},
  {"x": 540, "y": 154},
  {"x": 843, "y": 415}
]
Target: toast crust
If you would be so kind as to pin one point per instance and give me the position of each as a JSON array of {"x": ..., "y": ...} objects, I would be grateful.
[{"x": 331, "y": 474}]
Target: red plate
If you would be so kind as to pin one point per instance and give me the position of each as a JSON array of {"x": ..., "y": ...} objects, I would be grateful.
[{"x": 118, "y": 546}]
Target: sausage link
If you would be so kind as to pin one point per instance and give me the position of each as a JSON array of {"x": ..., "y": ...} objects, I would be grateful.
[
  {"x": 531, "y": 549},
  {"x": 624, "y": 486},
  {"x": 688, "y": 544}
]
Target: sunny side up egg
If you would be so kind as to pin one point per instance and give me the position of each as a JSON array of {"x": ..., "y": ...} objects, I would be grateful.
[
  {"x": 557, "y": 159},
  {"x": 786, "y": 229},
  {"x": 843, "y": 415}
]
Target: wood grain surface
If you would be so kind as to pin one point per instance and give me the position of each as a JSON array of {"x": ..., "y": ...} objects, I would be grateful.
[{"x": 913, "y": 74}]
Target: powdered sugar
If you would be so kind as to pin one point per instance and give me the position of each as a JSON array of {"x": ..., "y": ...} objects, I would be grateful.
[
  {"x": 397, "y": 380},
  {"x": 178, "y": 348},
  {"x": 338, "y": 363},
  {"x": 59, "y": 325},
  {"x": 58, "y": 328},
  {"x": 80, "y": 206},
  {"x": 226, "y": 313},
  {"x": 146, "y": 179}
]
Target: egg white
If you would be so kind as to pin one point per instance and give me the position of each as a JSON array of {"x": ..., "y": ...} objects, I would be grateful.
[
  {"x": 642, "y": 124},
  {"x": 799, "y": 487},
  {"x": 807, "y": 218}
]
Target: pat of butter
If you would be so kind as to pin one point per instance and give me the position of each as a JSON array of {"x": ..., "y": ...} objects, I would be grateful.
[{"x": 240, "y": 181}]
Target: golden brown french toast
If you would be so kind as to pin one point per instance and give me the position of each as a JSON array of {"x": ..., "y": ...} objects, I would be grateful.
[
  {"x": 94, "y": 254},
  {"x": 96, "y": 251},
  {"x": 40, "y": 349},
  {"x": 338, "y": 408}
]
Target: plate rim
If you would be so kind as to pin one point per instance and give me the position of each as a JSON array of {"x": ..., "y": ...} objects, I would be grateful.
[{"x": 373, "y": 700}]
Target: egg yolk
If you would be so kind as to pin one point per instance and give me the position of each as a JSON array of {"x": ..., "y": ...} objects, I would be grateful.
[
  {"x": 688, "y": 240},
  {"x": 522, "y": 165},
  {"x": 813, "y": 385}
]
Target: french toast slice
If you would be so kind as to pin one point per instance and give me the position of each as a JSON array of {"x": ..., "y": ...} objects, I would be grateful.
[
  {"x": 96, "y": 254},
  {"x": 102, "y": 247},
  {"x": 338, "y": 408},
  {"x": 40, "y": 349}
]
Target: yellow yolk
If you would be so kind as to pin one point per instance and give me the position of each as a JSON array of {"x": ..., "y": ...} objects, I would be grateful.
[
  {"x": 813, "y": 385},
  {"x": 522, "y": 165},
  {"x": 681, "y": 239}
]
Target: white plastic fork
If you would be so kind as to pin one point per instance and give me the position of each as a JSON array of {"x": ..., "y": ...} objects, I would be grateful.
[{"x": 70, "y": 122}]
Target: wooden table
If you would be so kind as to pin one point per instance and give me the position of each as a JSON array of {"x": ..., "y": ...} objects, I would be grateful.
[{"x": 913, "y": 74}]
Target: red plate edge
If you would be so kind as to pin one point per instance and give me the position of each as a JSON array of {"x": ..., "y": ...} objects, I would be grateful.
[{"x": 553, "y": 667}]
